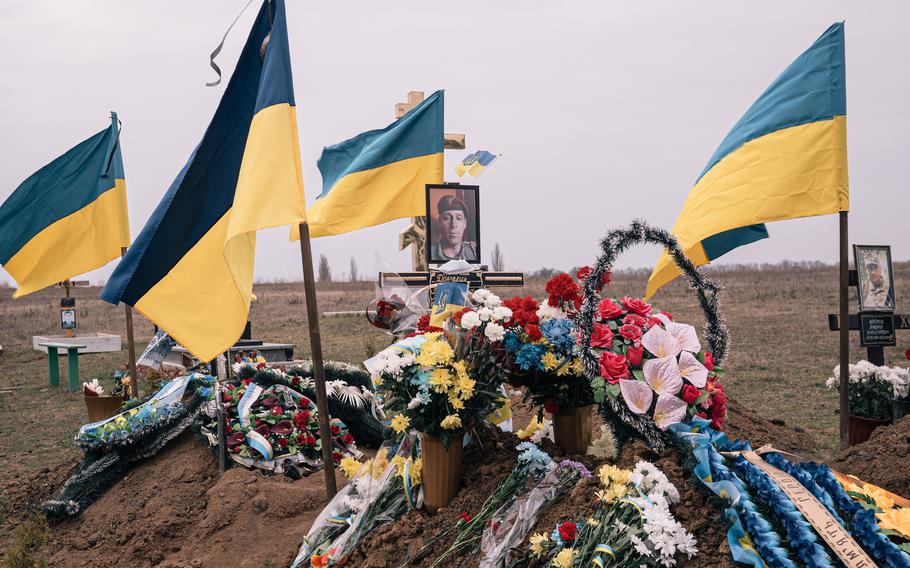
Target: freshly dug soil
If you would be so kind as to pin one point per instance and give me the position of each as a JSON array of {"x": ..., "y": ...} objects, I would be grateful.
[
  {"x": 175, "y": 511},
  {"x": 883, "y": 460},
  {"x": 745, "y": 424}
]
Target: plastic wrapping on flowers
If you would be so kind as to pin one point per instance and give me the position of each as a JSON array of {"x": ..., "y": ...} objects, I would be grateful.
[{"x": 375, "y": 495}]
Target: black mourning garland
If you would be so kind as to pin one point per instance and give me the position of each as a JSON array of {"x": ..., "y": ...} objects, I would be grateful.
[{"x": 626, "y": 423}]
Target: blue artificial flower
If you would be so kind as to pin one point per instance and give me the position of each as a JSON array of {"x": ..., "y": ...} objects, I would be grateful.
[
  {"x": 529, "y": 355},
  {"x": 511, "y": 342},
  {"x": 559, "y": 333}
]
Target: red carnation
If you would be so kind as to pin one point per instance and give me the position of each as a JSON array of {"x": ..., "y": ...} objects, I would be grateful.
[
  {"x": 630, "y": 332},
  {"x": 583, "y": 273},
  {"x": 709, "y": 360},
  {"x": 636, "y": 353},
  {"x": 335, "y": 429},
  {"x": 310, "y": 440},
  {"x": 276, "y": 410},
  {"x": 550, "y": 406},
  {"x": 348, "y": 438},
  {"x": 226, "y": 397},
  {"x": 634, "y": 319},
  {"x": 459, "y": 313},
  {"x": 613, "y": 367},
  {"x": 637, "y": 306},
  {"x": 533, "y": 332},
  {"x": 689, "y": 394},
  {"x": 601, "y": 336},
  {"x": 608, "y": 309},
  {"x": 300, "y": 439},
  {"x": 567, "y": 531},
  {"x": 562, "y": 288},
  {"x": 283, "y": 442}
]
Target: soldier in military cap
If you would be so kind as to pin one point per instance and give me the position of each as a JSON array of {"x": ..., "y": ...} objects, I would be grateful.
[
  {"x": 452, "y": 223},
  {"x": 877, "y": 294}
]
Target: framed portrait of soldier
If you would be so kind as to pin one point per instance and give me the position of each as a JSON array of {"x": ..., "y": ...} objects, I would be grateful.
[
  {"x": 453, "y": 223},
  {"x": 875, "y": 279}
]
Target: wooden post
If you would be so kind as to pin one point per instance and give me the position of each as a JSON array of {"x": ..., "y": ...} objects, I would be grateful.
[
  {"x": 219, "y": 415},
  {"x": 131, "y": 344},
  {"x": 844, "y": 333},
  {"x": 322, "y": 403}
]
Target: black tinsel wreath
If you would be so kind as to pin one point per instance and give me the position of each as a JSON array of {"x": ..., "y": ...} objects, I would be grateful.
[{"x": 626, "y": 423}]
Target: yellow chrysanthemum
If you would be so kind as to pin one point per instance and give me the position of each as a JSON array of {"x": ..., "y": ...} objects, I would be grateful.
[
  {"x": 401, "y": 423},
  {"x": 578, "y": 368},
  {"x": 564, "y": 370},
  {"x": 610, "y": 474},
  {"x": 417, "y": 472},
  {"x": 895, "y": 520},
  {"x": 454, "y": 401},
  {"x": 466, "y": 388},
  {"x": 538, "y": 544},
  {"x": 593, "y": 522},
  {"x": 564, "y": 558},
  {"x": 377, "y": 466},
  {"x": 533, "y": 426},
  {"x": 440, "y": 380},
  {"x": 550, "y": 361},
  {"x": 617, "y": 491},
  {"x": 451, "y": 422},
  {"x": 435, "y": 353},
  {"x": 432, "y": 336},
  {"x": 350, "y": 467},
  {"x": 460, "y": 370}
]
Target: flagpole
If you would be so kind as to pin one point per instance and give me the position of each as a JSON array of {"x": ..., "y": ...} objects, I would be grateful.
[
  {"x": 131, "y": 345},
  {"x": 844, "y": 333},
  {"x": 322, "y": 403}
]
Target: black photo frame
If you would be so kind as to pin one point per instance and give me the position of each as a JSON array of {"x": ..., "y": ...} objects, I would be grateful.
[
  {"x": 457, "y": 197},
  {"x": 874, "y": 296}
]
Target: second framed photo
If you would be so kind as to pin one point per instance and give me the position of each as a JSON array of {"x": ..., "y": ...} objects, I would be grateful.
[
  {"x": 875, "y": 278},
  {"x": 453, "y": 223}
]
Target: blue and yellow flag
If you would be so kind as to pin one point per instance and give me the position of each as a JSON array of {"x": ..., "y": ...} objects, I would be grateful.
[
  {"x": 191, "y": 269},
  {"x": 379, "y": 176},
  {"x": 67, "y": 218},
  {"x": 786, "y": 158},
  {"x": 475, "y": 164}
]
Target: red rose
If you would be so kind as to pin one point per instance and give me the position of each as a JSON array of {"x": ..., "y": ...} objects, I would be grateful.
[
  {"x": 567, "y": 531},
  {"x": 295, "y": 380},
  {"x": 637, "y": 306},
  {"x": 231, "y": 387},
  {"x": 608, "y": 309},
  {"x": 634, "y": 319},
  {"x": 423, "y": 322},
  {"x": 300, "y": 439},
  {"x": 533, "y": 332},
  {"x": 630, "y": 332},
  {"x": 636, "y": 353},
  {"x": 601, "y": 336},
  {"x": 310, "y": 440},
  {"x": 606, "y": 278},
  {"x": 258, "y": 422},
  {"x": 583, "y": 273},
  {"x": 227, "y": 397},
  {"x": 335, "y": 429},
  {"x": 336, "y": 457},
  {"x": 689, "y": 394},
  {"x": 283, "y": 442},
  {"x": 654, "y": 322},
  {"x": 561, "y": 288},
  {"x": 246, "y": 381},
  {"x": 276, "y": 410},
  {"x": 348, "y": 438},
  {"x": 907, "y": 353},
  {"x": 550, "y": 406},
  {"x": 668, "y": 314},
  {"x": 613, "y": 367},
  {"x": 304, "y": 401},
  {"x": 709, "y": 361}
]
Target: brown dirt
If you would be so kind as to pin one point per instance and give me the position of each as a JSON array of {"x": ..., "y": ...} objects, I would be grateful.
[
  {"x": 175, "y": 511},
  {"x": 745, "y": 424},
  {"x": 883, "y": 460}
]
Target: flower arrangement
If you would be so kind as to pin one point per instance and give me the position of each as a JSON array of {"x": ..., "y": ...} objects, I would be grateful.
[
  {"x": 277, "y": 421},
  {"x": 631, "y": 525},
  {"x": 655, "y": 365},
  {"x": 443, "y": 382},
  {"x": 92, "y": 388},
  {"x": 872, "y": 387}
]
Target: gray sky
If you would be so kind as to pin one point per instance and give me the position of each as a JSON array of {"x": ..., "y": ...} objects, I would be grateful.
[{"x": 602, "y": 111}]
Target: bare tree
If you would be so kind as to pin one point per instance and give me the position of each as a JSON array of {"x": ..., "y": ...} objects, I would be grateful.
[
  {"x": 355, "y": 276},
  {"x": 325, "y": 271},
  {"x": 498, "y": 260}
]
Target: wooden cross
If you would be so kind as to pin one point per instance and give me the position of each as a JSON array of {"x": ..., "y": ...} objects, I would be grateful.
[
  {"x": 877, "y": 329},
  {"x": 475, "y": 279},
  {"x": 415, "y": 235},
  {"x": 67, "y": 284}
]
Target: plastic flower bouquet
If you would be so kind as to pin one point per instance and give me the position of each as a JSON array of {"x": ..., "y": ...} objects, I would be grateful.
[{"x": 655, "y": 365}]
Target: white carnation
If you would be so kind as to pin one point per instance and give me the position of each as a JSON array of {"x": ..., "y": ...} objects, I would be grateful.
[
  {"x": 501, "y": 313},
  {"x": 494, "y": 332},
  {"x": 485, "y": 314},
  {"x": 470, "y": 320}
]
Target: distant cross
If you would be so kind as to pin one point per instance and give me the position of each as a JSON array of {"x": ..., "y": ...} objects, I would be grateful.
[
  {"x": 67, "y": 284},
  {"x": 415, "y": 235}
]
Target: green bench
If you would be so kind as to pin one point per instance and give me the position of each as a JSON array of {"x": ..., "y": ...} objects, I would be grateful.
[{"x": 72, "y": 359}]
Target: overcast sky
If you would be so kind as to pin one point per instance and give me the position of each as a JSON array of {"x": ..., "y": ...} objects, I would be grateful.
[{"x": 602, "y": 111}]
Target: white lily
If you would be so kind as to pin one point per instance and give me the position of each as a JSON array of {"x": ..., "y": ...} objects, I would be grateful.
[
  {"x": 660, "y": 343},
  {"x": 669, "y": 410},
  {"x": 685, "y": 335},
  {"x": 692, "y": 370},
  {"x": 663, "y": 375},
  {"x": 638, "y": 395}
]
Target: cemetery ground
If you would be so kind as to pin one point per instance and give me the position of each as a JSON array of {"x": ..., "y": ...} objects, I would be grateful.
[{"x": 781, "y": 354}]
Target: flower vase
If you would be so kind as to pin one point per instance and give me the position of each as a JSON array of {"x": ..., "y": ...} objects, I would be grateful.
[
  {"x": 900, "y": 407},
  {"x": 101, "y": 407},
  {"x": 441, "y": 470},
  {"x": 860, "y": 428},
  {"x": 572, "y": 429}
]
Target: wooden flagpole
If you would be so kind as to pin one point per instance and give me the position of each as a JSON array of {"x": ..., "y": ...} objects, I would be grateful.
[
  {"x": 844, "y": 333},
  {"x": 322, "y": 402},
  {"x": 131, "y": 344}
]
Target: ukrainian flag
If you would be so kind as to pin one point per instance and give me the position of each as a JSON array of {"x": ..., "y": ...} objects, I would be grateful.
[
  {"x": 191, "y": 269},
  {"x": 67, "y": 218},
  {"x": 475, "y": 164},
  {"x": 379, "y": 176},
  {"x": 786, "y": 158}
]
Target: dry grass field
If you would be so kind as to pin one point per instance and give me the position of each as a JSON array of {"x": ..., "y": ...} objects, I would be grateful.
[{"x": 782, "y": 351}]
